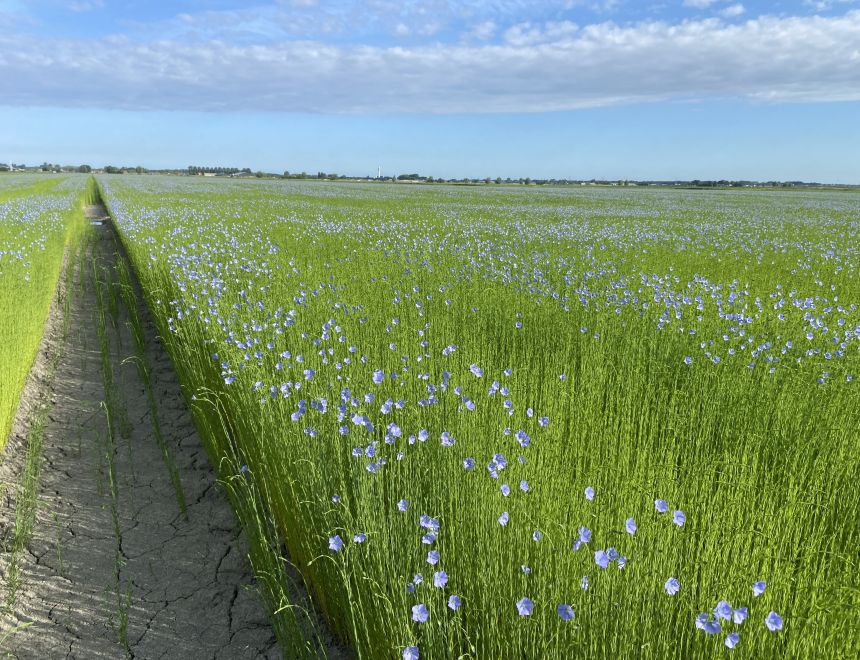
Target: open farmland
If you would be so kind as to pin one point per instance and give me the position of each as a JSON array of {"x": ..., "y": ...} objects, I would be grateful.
[
  {"x": 38, "y": 217},
  {"x": 507, "y": 422}
]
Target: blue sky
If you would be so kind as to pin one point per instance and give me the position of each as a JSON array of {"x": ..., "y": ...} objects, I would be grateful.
[{"x": 580, "y": 89}]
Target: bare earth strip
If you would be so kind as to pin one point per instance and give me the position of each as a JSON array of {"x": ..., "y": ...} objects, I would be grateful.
[{"x": 155, "y": 585}]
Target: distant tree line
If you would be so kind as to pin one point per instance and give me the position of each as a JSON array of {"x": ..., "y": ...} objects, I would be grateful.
[
  {"x": 197, "y": 170},
  {"x": 419, "y": 178},
  {"x": 110, "y": 169}
]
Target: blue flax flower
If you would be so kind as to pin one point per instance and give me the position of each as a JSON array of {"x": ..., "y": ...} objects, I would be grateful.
[
  {"x": 420, "y": 613},
  {"x": 672, "y": 586},
  {"x": 525, "y": 606},
  {"x": 705, "y": 623},
  {"x": 773, "y": 621},
  {"x": 335, "y": 543},
  {"x": 565, "y": 612},
  {"x": 723, "y": 610}
]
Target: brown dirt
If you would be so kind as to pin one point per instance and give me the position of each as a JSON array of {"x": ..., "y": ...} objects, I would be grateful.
[{"x": 186, "y": 584}]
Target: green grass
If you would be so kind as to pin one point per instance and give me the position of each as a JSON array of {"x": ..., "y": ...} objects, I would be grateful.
[
  {"x": 39, "y": 217},
  {"x": 609, "y": 286},
  {"x": 27, "y": 491}
]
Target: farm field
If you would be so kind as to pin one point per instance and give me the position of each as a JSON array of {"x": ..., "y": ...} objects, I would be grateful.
[
  {"x": 38, "y": 217},
  {"x": 512, "y": 422}
]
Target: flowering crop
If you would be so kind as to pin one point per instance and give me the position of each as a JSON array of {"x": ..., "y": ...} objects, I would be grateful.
[
  {"x": 549, "y": 401},
  {"x": 37, "y": 218}
]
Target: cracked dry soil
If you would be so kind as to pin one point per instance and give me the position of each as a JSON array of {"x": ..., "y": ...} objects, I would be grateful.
[{"x": 155, "y": 585}]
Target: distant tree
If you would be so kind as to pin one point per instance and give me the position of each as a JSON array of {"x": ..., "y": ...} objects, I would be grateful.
[
  {"x": 139, "y": 170},
  {"x": 527, "y": 180},
  {"x": 258, "y": 174},
  {"x": 84, "y": 169},
  {"x": 498, "y": 180},
  {"x": 286, "y": 174}
]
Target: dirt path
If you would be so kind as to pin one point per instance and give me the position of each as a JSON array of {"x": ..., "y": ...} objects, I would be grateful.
[{"x": 113, "y": 568}]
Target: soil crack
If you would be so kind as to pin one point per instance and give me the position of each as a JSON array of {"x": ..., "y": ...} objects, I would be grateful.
[{"x": 113, "y": 568}]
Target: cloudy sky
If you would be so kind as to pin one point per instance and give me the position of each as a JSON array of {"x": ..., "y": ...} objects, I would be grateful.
[{"x": 577, "y": 88}]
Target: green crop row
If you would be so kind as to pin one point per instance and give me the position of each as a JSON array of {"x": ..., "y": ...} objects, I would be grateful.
[
  {"x": 464, "y": 412},
  {"x": 39, "y": 217}
]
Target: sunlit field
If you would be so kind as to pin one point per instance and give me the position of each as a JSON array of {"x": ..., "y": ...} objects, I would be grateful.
[
  {"x": 38, "y": 215},
  {"x": 501, "y": 422}
]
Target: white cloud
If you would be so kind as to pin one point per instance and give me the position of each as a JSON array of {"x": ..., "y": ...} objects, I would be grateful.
[
  {"x": 826, "y": 5},
  {"x": 539, "y": 67},
  {"x": 86, "y": 5},
  {"x": 524, "y": 34},
  {"x": 733, "y": 10},
  {"x": 483, "y": 31}
]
